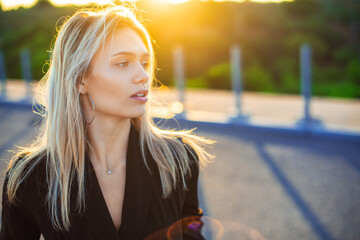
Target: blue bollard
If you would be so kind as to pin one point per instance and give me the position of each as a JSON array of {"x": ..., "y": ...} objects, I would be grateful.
[
  {"x": 236, "y": 80},
  {"x": 305, "y": 68},
  {"x": 307, "y": 122},
  {"x": 179, "y": 72},
  {"x": 2, "y": 76},
  {"x": 26, "y": 71}
]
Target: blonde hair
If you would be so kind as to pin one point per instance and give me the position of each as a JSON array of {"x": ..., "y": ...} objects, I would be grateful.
[{"x": 63, "y": 136}]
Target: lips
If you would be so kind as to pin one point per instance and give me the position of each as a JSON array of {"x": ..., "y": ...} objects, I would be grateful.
[
  {"x": 141, "y": 93},
  {"x": 140, "y": 96}
]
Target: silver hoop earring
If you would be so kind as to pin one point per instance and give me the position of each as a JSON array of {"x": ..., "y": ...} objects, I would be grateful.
[{"x": 93, "y": 106}]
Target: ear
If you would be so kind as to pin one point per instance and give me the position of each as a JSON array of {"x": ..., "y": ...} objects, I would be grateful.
[{"x": 82, "y": 86}]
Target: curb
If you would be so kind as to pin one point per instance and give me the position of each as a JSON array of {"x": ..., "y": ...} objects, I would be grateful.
[{"x": 296, "y": 129}]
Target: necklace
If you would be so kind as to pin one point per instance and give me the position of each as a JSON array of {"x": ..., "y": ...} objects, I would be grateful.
[{"x": 108, "y": 169}]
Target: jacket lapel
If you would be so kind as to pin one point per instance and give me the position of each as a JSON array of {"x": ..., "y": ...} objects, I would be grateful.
[
  {"x": 97, "y": 214},
  {"x": 138, "y": 190},
  {"x": 139, "y": 186}
]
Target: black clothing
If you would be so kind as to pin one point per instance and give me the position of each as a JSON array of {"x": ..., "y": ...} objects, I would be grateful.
[{"x": 144, "y": 209}]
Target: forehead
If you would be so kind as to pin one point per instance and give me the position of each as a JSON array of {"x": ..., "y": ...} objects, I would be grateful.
[{"x": 125, "y": 40}]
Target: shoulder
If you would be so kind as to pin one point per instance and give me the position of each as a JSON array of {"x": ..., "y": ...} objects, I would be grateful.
[
  {"x": 29, "y": 166},
  {"x": 28, "y": 173}
]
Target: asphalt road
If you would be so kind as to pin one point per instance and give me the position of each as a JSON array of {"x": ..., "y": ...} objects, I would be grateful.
[
  {"x": 281, "y": 185},
  {"x": 285, "y": 187}
]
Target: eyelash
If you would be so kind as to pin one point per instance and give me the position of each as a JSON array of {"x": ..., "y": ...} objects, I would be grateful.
[
  {"x": 120, "y": 64},
  {"x": 145, "y": 65}
]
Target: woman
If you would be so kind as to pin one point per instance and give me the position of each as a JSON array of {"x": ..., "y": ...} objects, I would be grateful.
[{"x": 101, "y": 169}]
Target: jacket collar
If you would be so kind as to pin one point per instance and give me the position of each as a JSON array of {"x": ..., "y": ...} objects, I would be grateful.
[{"x": 139, "y": 186}]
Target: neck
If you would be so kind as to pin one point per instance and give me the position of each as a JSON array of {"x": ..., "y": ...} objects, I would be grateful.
[{"x": 108, "y": 138}]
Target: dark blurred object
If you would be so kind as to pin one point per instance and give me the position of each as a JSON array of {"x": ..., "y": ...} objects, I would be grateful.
[
  {"x": 43, "y": 4},
  {"x": 205, "y": 228},
  {"x": 185, "y": 229}
]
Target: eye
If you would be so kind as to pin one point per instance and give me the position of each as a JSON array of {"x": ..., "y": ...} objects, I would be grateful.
[
  {"x": 145, "y": 65},
  {"x": 123, "y": 64}
]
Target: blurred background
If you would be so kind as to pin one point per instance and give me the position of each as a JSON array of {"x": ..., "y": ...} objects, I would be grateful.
[
  {"x": 275, "y": 83},
  {"x": 270, "y": 34}
]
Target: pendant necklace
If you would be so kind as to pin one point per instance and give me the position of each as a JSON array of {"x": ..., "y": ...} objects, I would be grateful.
[{"x": 108, "y": 170}]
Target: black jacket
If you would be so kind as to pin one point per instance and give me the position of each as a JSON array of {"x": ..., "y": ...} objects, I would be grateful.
[{"x": 144, "y": 209}]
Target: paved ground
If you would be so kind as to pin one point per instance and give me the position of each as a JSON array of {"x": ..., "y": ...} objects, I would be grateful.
[
  {"x": 285, "y": 187},
  {"x": 335, "y": 113}
]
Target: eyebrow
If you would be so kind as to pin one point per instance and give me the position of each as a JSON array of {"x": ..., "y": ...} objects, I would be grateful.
[{"x": 130, "y": 54}]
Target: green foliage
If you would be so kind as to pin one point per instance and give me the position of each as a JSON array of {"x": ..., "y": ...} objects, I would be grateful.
[
  {"x": 256, "y": 78},
  {"x": 337, "y": 89},
  {"x": 295, "y": 41},
  {"x": 343, "y": 54},
  {"x": 287, "y": 72},
  {"x": 218, "y": 76},
  {"x": 269, "y": 36},
  {"x": 353, "y": 71},
  {"x": 342, "y": 10},
  {"x": 333, "y": 81},
  {"x": 328, "y": 75},
  {"x": 32, "y": 29},
  {"x": 198, "y": 82}
]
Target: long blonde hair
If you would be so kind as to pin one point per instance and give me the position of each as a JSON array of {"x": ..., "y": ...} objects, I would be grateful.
[{"x": 63, "y": 136}]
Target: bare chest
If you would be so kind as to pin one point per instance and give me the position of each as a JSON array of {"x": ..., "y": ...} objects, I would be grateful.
[{"x": 113, "y": 189}]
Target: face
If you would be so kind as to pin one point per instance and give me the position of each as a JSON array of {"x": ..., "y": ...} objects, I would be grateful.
[{"x": 117, "y": 72}]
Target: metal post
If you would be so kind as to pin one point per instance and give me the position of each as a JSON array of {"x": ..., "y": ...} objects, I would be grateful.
[
  {"x": 178, "y": 59},
  {"x": 307, "y": 122},
  {"x": 236, "y": 80},
  {"x": 2, "y": 76},
  {"x": 26, "y": 71},
  {"x": 305, "y": 74}
]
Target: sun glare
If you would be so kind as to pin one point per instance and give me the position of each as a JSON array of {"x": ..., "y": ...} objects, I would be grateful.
[
  {"x": 276, "y": 1},
  {"x": 259, "y": 1},
  {"x": 177, "y": 1},
  {"x": 13, "y": 4},
  {"x": 78, "y": 2}
]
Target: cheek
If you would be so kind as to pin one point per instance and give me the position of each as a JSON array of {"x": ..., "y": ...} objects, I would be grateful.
[
  {"x": 111, "y": 85},
  {"x": 111, "y": 95}
]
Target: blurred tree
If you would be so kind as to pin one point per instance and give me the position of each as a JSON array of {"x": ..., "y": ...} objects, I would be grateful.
[
  {"x": 345, "y": 12},
  {"x": 43, "y": 4},
  {"x": 256, "y": 78},
  {"x": 353, "y": 71},
  {"x": 286, "y": 70},
  {"x": 218, "y": 76},
  {"x": 269, "y": 35}
]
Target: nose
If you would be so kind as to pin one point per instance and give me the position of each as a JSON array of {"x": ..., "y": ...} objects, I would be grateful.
[{"x": 142, "y": 76}]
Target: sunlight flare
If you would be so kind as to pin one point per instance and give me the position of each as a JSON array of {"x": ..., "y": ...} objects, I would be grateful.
[
  {"x": 79, "y": 2},
  {"x": 13, "y": 4}
]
